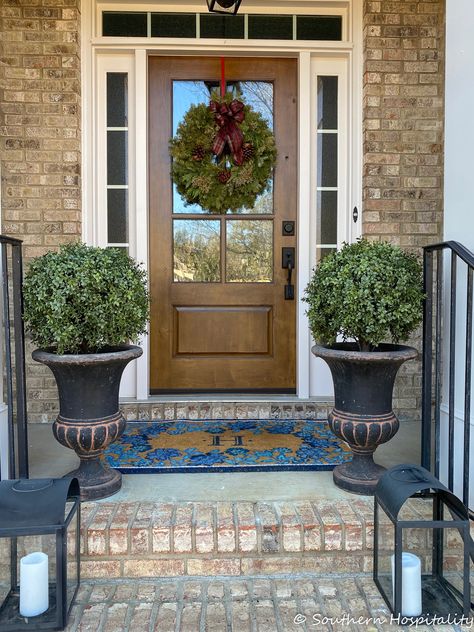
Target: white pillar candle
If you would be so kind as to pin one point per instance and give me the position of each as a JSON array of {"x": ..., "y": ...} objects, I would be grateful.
[
  {"x": 34, "y": 584},
  {"x": 411, "y": 584}
]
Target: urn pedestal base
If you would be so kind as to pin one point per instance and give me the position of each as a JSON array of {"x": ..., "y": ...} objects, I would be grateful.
[
  {"x": 363, "y": 434},
  {"x": 359, "y": 476},
  {"x": 96, "y": 479},
  {"x": 89, "y": 439}
]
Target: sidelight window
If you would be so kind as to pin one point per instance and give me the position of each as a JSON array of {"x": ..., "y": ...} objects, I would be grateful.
[
  {"x": 117, "y": 133},
  {"x": 327, "y": 138}
]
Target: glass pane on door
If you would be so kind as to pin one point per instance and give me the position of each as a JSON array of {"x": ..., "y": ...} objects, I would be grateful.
[
  {"x": 257, "y": 94},
  {"x": 196, "y": 251},
  {"x": 249, "y": 251}
]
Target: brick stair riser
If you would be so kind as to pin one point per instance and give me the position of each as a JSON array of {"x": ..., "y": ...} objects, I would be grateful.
[{"x": 233, "y": 539}]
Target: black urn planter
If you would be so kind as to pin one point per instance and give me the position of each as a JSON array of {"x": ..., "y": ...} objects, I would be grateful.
[
  {"x": 89, "y": 416},
  {"x": 362, "y": 415}
]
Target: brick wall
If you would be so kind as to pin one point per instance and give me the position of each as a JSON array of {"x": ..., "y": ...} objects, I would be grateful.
[
  {"x": 40, "y": 139},
  {"x": 403, "y": 138}
]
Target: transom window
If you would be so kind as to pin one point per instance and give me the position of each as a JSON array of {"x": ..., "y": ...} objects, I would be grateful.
[{"x": 207, "y": 26}]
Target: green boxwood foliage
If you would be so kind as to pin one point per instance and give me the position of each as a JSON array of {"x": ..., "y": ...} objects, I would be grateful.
[
  {"x": 83, "y": 299},
  {"x": 368, "y": 292}
]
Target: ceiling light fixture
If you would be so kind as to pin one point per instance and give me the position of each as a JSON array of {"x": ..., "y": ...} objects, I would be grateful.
[{"x": 228, "y": 7}]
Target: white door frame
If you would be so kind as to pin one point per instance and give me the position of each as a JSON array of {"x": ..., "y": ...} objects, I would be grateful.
[{"x": 100, "y": 54}]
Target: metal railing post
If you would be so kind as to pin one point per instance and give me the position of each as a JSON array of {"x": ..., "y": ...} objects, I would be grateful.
[
  {"x": 456, "y": 446},
  {"x": 13, "y": 352}
]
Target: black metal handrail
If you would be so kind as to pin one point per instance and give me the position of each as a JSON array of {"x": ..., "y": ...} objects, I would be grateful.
[
  {"x": 439, "y": 289},
  {"x": 14, "y": 356}
]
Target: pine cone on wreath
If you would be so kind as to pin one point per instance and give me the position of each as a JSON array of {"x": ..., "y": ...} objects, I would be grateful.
[
  {"x": 248, "y": 151},
  {"x": 199, "y": 153},
  {"x": 223, "y": 176}
]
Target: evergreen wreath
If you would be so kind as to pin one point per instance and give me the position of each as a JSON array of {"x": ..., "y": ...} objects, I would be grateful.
[{"x": 223, "y": 155}]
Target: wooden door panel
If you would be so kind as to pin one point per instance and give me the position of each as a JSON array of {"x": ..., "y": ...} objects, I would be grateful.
[
  {"x": 231, "y": 334},
  {"x": 223, "y": 330}
]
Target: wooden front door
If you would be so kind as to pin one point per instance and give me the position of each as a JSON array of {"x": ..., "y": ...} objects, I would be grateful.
[{"x": 219, "y": 317}]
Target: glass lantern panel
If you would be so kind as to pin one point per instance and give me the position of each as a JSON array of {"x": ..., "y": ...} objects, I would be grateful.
[
  {"x": 34, "y": 590},
  {"x": 385, "y": 551},
  {"x": 5, "y": 570},
  {"x": 72, "y": 539},
  {"x": 440, "y": 551},
  {"x": 450, "y": 567}
]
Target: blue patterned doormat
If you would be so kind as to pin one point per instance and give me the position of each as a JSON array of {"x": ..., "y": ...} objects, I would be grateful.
[{"x": 226, "y": 446}]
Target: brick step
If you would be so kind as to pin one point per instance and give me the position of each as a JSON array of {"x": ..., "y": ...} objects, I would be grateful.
[{"x": 143, "y": 539}]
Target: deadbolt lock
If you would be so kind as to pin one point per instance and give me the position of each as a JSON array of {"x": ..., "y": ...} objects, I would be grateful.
[{"x": 287, "y": 228}]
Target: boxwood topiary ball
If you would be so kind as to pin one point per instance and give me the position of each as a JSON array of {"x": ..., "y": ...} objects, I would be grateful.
[
  {"x": 83, "y": 299},
  {"x": 368, "y": 292}
]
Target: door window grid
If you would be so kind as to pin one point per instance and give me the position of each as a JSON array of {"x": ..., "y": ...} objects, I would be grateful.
[
  {"x": 117, "y": 159},
  {"x": 237, "y": 247},
  {"x": 258, "y": 94},
  {"x": 327, "y": 189},
  {"x": 196, "y": 250}
]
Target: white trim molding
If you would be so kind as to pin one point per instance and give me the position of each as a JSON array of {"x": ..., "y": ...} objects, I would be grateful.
[{"x": 128, "y": 54}]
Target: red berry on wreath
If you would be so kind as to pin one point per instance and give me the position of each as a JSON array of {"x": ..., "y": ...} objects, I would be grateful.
[
  {"x": 223, "y": 176},
  {"x": 199, "y": 153},
  {"x": 248, "y": 151}
]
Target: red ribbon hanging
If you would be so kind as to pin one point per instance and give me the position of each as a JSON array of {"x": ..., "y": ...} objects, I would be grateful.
[
  {"x": 223, "y": 86},
  {"x": 228, "y": 118}
]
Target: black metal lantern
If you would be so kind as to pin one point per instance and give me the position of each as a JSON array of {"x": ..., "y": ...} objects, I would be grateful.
[
  {"x": 39, "y": 552},
  {"x": 421, "y": 545},
  {"x": 228, "y": 7}
]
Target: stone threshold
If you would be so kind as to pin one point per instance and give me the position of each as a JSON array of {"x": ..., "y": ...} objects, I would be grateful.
[
  {"x": 143, "y": 539},
  {"x": 176, "y": 408}
]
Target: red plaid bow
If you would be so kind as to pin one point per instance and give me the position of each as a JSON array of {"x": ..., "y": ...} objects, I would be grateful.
[{"x": 227, "y": 118}]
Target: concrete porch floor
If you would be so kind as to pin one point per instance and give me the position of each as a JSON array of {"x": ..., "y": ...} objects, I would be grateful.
[
  {"x": 265, "y": 575},
  {"x": 49, "y": 458},
  {"x": 246, "y": 552}
]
